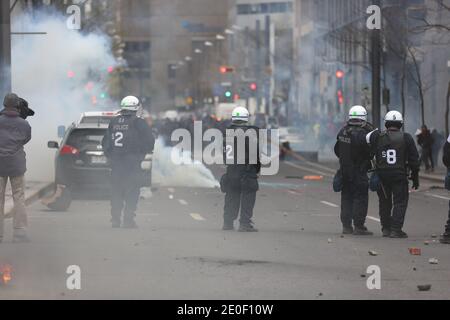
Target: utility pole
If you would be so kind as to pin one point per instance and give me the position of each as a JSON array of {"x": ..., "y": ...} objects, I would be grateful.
[
  {"x": 376, "y": 72},
  {"x": 267, "y": 65},
  {"x": 258, "y": 64},
  {"x": 5, "y": 48}
]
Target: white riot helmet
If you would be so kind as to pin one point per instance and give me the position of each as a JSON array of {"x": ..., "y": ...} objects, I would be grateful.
[
  {"x": 394, "y": 117},
  {"x": 358, "y": 112},
  {"x": 130, "y": 103},
  {"x": 240, "y": 115}
]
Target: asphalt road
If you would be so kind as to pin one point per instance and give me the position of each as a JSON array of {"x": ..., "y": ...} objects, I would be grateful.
[{"x": 180, "y": 252}]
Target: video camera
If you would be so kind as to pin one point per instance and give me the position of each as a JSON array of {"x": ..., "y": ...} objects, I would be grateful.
[{"x": 24, "y": 109}]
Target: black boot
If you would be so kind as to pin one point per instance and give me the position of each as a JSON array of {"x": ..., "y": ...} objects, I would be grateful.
[
  {"x": 445, "y": 238},
  {"x": 386, "y": 232},
  {"x": 247, "y": 228},
  {"x": 129, "y": 223},
  {"x": 347, "y": 230},
  {"x": 228, "y": 226},
  {"x": 362, "y": 231},
  {"x": 398, "y": 234}
]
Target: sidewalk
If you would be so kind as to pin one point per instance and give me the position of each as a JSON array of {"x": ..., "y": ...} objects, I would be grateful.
[{"x": 33, "y": 191}]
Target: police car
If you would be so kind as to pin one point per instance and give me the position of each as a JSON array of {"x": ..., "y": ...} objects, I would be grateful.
[{"x": 80, "y": 163}]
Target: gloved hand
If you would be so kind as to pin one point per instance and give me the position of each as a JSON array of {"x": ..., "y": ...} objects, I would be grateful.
[{"x": 415, "y": 180}]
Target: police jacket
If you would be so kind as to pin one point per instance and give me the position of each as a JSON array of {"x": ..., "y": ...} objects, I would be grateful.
[
  {"x": 352, "y": 150},
  {"x": 395, "y": 152},
  {"x": 241, "y": 150},
  {"x": 128, "y": 135},
  {"x": 15, "y": 132}
]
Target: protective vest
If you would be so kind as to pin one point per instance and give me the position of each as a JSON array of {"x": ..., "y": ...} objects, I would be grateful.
[
  {"x": 352, "y": 158},
  {"x": 241, "y": 149},
  {"x": 124, "y": 137},
  {"x": 391, "y": 151}
]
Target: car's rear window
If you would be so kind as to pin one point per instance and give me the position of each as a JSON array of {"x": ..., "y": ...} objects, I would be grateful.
[
  {"x": 86, "y": 137},
  {"x": 96, "y": 120}
]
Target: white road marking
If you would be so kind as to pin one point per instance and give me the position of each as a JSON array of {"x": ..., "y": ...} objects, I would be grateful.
[
  {"x": 437, "y": 196},
  {"x": 183, "y": 202},
  {"x": 197, "y": 217},
  {"x": 330, "y": 204},
  {"x": 373, "y": 219}
]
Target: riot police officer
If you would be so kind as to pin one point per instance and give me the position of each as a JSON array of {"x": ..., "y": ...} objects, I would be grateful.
[
  {"x": 354, "y": 159},
  {"x": 126, "y": 143},
  {"x": 396, "y": 154},
  {"x": 240, "y": 182},
  {"x": 445, "y": 238}
]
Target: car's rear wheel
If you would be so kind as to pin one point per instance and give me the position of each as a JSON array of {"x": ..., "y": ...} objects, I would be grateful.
[{"x": 62, "y": 202}]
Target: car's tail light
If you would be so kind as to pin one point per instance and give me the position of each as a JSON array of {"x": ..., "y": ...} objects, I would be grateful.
[{"x": 69, "y": 150}]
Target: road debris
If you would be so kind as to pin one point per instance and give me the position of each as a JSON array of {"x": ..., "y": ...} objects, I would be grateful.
[
  {"x": 5, "y": 274},
  {"x": 433, "y": 261},
  {"x": 415, "y": 251},
  {"x": 424, "y": 287},
  {"x": 373, "y": 253}
]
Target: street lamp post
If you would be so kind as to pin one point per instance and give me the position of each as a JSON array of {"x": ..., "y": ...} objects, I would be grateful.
[
  {"x": 376, "y": 72},
  {"x": 448, "y": 102},
  {"x": 5, "y": 47}
]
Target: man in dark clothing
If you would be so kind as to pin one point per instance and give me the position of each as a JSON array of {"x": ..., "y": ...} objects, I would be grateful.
[
  {"x": 425, "y": 141},
  {"x": 15, "y": 132},
  {"x": 396, "y": 154},
  {"x": 240, "y": 182},
  {"x": 126, "y": 143},
  {"x": 354, "y": 159},
  {"x": 445, "y": 238}
]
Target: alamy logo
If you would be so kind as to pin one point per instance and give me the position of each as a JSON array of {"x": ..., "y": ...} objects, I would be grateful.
[
  {"x": 374, "y": 280},
  {"x": 73, "y": 281},
  {"x": 74, "y": 11},
  {"x": 374, "y": 21},
  {"x": 237, "y": 147}
]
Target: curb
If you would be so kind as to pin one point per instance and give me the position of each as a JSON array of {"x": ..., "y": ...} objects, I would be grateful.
[
  {"x": 34, "y": 196},
  {"x": 432, "y": 178}
]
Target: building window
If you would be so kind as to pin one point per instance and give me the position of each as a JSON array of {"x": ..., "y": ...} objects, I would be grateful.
[
  {"x": 137, "y": 54},
  {"x": 243, "y": 9},
  {"x": 265, "y": 8},
  {"x": 172, "y": 71}
]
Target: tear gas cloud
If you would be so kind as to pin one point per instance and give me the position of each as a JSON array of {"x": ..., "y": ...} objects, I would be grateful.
[{"x": 40, "y": 67}]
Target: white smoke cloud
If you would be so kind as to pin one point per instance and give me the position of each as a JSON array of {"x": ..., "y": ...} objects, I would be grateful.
[
  {"x": 192, "y": 174},
  {"x": 40, "y": 68}
]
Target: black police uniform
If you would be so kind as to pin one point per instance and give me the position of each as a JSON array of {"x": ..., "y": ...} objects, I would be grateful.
[
  {"x": 396, "y": 154},
  {"x": 354, "y": 159},
  {"x": 126, "y": 143},
  {"x": 446, "y": 158},
  {"x": 240, "y": 182}
]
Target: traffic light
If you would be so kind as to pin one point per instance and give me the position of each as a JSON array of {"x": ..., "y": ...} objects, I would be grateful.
[
  {"x": 110, "y": 69},
  {"x": 226, "y": 69},
  {"x": 340, "y": 96},
  {"x": 253, "y": 86},
  {"x": 228, "y": 94},
  {"x": 340, "y": 74}
]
